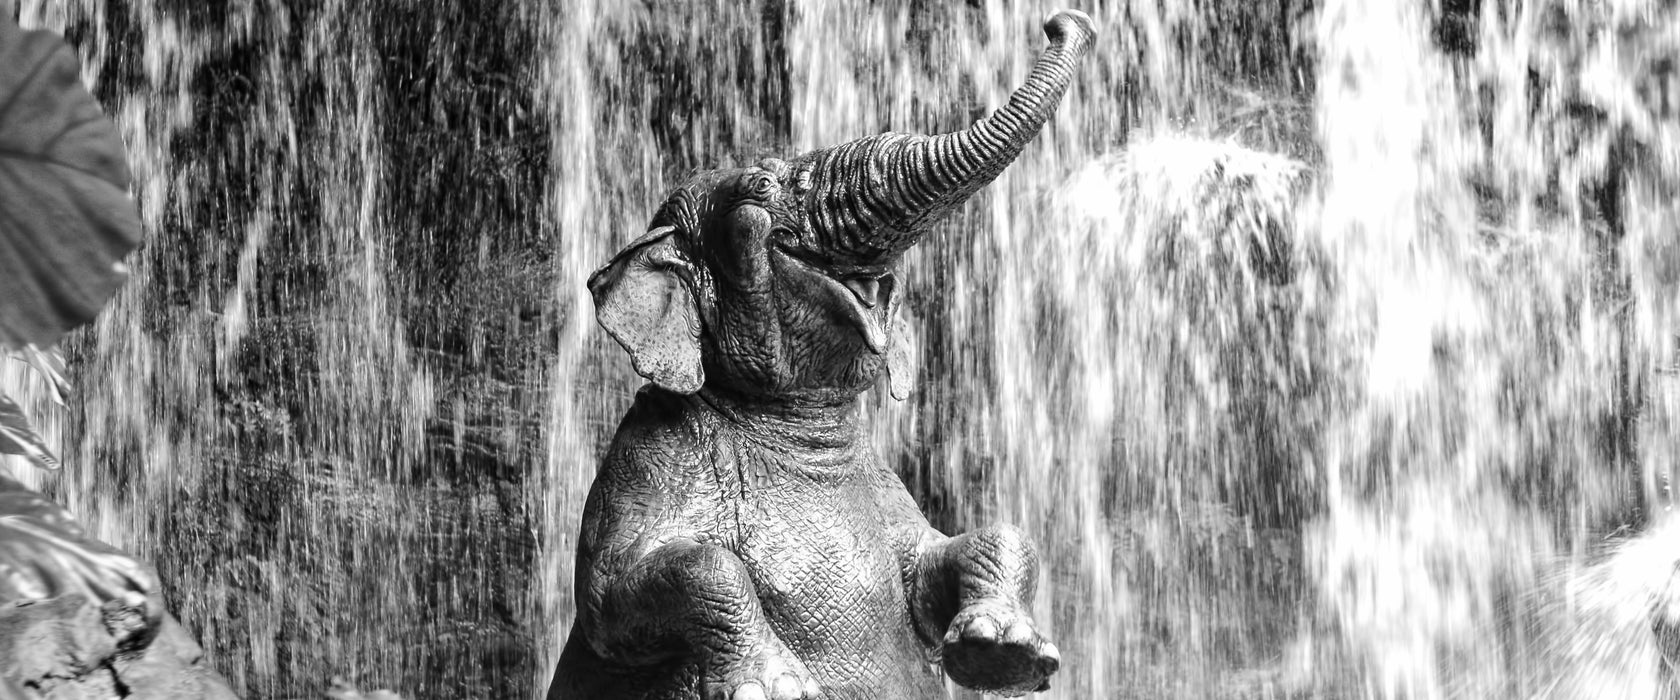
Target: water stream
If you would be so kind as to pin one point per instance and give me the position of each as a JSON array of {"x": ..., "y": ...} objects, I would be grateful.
[{"x": 1327, "y": 348}]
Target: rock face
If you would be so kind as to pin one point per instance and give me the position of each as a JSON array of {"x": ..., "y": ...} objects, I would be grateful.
[{"x": 68, "y": 648}]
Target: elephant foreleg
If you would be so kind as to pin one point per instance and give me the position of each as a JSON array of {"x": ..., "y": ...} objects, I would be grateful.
[
  {"x": 686, "y": 599},
  {"x": 972, "y": 593}
]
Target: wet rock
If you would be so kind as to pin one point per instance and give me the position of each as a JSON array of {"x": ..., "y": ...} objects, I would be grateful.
[
  {"x": 344, "y": 690},
  {"x": 68, "y": 648}
]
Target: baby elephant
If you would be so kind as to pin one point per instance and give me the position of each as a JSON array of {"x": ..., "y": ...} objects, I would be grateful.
[{"x": 742, "y": 540}]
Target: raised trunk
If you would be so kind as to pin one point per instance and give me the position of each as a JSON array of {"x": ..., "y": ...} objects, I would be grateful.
[{"x": 876, "y": 195}]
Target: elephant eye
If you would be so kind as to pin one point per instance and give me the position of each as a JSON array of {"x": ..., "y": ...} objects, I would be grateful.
[{"x": 761, "y": 185}]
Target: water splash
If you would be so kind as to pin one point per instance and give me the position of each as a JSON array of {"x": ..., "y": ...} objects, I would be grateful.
[
  {"x": 1321, "y": 345},
  {"x": 1491, "y": 437}
]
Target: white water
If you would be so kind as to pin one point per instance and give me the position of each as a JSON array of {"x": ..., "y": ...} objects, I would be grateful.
[{"x": 1342, "y": 392}]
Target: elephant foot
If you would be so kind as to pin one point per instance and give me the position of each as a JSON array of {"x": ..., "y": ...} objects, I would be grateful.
[
  {"x": 994, "y": 647},
  {"x": 766, "y": 671}
]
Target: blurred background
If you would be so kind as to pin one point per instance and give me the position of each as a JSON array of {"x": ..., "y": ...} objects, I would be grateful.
[{"x": 1327, "y": 347}]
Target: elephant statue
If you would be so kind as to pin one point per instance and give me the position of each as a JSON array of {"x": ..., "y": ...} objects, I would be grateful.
[{"x": 742, "y": 540}]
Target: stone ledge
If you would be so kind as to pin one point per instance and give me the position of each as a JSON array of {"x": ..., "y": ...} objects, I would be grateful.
[{"x": 68, "y": 648}]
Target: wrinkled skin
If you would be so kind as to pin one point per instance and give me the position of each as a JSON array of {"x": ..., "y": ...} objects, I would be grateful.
[{"x": 742, "y": 540}]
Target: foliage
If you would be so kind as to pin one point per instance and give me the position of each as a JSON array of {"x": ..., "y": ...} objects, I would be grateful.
[
  {"x": 65, "y": 216},
  {"x": 334, "y": 369},
  {"x": 16, "y": 437}
]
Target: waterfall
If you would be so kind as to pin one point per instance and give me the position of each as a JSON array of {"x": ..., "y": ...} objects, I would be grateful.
[{"x": 1327, "y": 348}]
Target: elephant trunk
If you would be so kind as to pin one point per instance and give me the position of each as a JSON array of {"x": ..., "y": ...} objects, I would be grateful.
[{"x": 876, "y": 196}]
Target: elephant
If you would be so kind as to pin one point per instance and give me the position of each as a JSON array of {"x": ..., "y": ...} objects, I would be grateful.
[{"x": 741, "y": 539}]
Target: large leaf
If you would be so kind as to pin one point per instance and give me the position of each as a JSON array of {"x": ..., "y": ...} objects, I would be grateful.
[
  {"x": 65, "y": 215},
  {"x": 49, "y": 364},
  {"x": 16, "y": 438}
]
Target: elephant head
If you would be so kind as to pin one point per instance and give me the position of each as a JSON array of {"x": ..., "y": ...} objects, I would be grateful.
[{"x": 777, "y": 281}]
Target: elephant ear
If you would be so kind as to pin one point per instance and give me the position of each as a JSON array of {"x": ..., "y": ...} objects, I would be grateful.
[{"x": 645, "y": 298}]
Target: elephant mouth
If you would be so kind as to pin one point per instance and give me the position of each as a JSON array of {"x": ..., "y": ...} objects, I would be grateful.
[{"x": 860, "y": 294}]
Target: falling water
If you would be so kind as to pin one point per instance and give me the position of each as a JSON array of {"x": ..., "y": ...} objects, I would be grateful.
[
  {"x": 1326, "y": 348},
  {"x": 315, "y": 403}
]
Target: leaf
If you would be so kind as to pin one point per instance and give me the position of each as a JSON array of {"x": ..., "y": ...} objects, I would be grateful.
[
  {"x": 16, "y": 437},
  {"x": 49, "y": 364},
  {"x": 66, "y": 219}
]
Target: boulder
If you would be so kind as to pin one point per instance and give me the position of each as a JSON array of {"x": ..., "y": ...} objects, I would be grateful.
[{"x": 71, "y": 648}]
